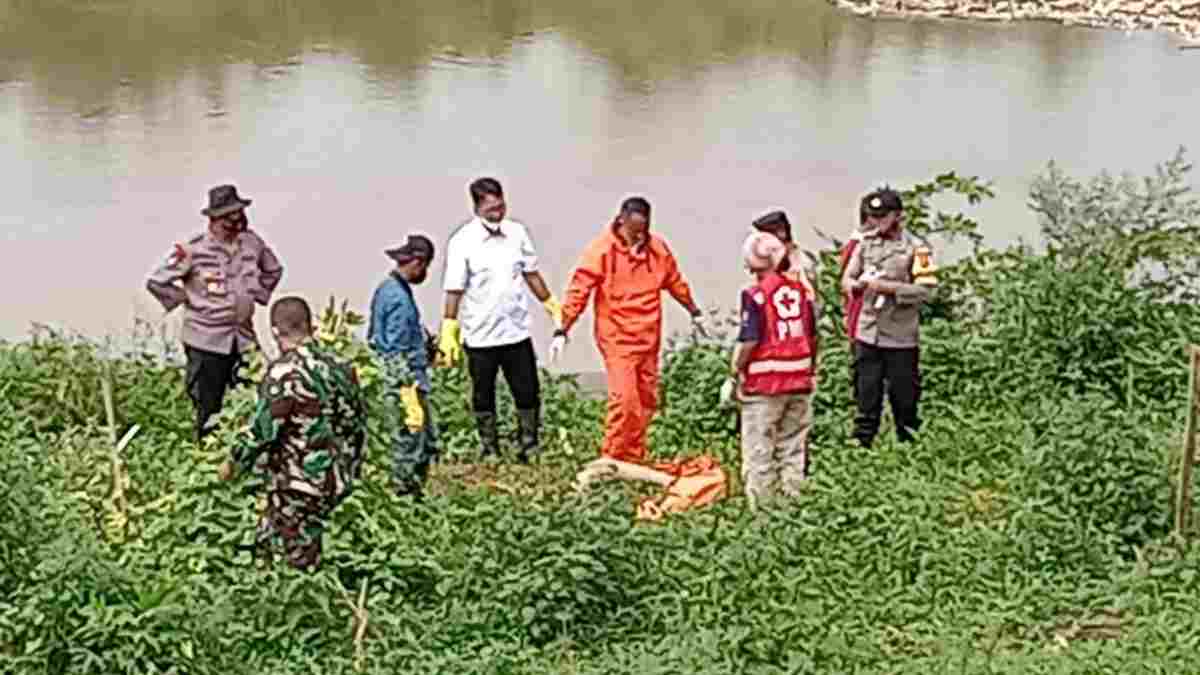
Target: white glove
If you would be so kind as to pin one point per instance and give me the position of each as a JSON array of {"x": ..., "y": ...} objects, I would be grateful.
[
  {"x": 871, "y": 275},
  {"x": 700, "y": 325},
  {"x": 557, "y": 346},
  {"x": 868, "y": 275},
  {"x": 728, "y": 393}
]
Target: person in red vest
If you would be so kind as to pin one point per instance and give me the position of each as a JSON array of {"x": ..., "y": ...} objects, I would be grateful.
[{"x": 774, "y": 365}]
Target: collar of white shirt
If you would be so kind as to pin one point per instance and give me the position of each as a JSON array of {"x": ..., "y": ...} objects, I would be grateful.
[{"x": 490, "y": 229}]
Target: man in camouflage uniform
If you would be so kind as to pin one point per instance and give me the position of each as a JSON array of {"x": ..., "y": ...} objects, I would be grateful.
[
  {"x": 306, "y": 439},
  {"x": 397, "y": 334}
]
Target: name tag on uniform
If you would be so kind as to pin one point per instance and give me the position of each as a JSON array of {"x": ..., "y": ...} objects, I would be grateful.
[{"x": 215, "y": 286}]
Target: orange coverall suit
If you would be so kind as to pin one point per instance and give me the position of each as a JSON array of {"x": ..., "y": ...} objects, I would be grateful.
[{"x": 628, "y": 284}]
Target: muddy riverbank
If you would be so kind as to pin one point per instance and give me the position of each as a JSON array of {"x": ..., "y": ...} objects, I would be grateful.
[{"x": 1180, "y": 17}]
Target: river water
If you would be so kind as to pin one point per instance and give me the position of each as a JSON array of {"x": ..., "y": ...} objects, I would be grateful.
[{"x": 353, "y": 122}]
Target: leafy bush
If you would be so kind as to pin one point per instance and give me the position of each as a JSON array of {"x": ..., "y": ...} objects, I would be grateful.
[
  {"x": 55, "y": 377},
  {"x": 1026, "y": 531}
]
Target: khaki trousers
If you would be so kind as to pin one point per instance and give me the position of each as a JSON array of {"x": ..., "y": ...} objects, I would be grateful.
[{"x": 774, "y": 445}]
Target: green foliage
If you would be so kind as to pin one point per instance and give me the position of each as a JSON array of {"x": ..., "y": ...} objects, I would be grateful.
[
  {"x": 55, "y": 379},
  {"x": 1148, "y": 227},
  {"x": 923, "y": 220},
  {"x": 1026, "y": 531},
  {"x": 693, "y": 369}
]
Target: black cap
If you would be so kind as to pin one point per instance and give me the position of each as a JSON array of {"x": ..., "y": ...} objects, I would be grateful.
[
  {"x": 417, "y": 246},
  {"x": 881, "y": 202},
  {"x": 773, "y": 222}
]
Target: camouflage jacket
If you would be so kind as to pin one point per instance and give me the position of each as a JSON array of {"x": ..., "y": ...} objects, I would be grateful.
[{"x": 309, "y": 426}]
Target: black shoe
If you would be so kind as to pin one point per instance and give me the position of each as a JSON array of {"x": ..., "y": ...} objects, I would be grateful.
[
  {"x": 489, "y": 439},
  {"x": 413, "y": 491},
  {"x": 408, "y": 486},
  {"x": 906, "y": 435}
]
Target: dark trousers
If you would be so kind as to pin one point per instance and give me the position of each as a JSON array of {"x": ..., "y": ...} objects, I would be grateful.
[
  {"x": 519, "y": 365},
  {"x": 209, "y": 376},
  {"x": 412, "y": 453},
  {"x": 899, "y": 368}
]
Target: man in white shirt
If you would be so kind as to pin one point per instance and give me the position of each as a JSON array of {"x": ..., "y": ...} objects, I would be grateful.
[{"x": 490, "y": 264}]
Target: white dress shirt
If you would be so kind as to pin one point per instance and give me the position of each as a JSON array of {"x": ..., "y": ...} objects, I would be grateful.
[{"x": 488, "y": 262}]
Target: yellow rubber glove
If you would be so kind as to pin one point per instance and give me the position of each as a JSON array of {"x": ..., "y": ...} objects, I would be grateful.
[
  {"x": 414, "y": 414},
  {"x": 554, "y": 309},
  {"x": 450, "y": 343}
]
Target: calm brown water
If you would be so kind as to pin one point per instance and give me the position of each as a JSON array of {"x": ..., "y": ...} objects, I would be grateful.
[{"x": 352, "y": 122}]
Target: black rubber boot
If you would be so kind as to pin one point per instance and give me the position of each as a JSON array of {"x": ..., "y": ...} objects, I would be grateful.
[
  {"x": 411, "y": 489},
  {"x": 527, "y": 427},
  {"x": 489, "y": 439}
]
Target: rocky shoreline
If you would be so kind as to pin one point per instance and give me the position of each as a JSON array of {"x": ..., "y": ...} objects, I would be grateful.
[{"x": 1181, "y": 17}]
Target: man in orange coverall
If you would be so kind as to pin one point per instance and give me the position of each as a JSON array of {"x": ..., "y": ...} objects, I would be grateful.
[{"x": 628, "y": 268}]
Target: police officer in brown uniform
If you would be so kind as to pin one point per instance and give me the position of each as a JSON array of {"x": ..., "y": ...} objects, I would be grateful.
[
  {"x": 218, "y": 276},
  {"x": 887, "y": 334}
]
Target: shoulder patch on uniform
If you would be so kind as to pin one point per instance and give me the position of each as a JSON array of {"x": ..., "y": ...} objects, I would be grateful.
[{"x": 176, "y": 255}]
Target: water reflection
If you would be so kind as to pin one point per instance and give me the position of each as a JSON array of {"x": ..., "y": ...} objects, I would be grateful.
[{"x": 82, "y": 53}]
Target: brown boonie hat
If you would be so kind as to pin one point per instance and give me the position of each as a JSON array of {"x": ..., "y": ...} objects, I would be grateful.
[
  {"x": 223, "y": 200},
  {"x": 417, "y": 246}
]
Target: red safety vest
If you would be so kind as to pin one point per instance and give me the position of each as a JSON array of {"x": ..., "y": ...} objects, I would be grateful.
[
  {"x": 851, "y": 303},
  {"x": 782, "y": 361}
]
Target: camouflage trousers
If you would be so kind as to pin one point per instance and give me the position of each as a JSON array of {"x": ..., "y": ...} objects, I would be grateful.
[
  {"x": 291, "y": 526},
  {"x": 774, "y": 444},
  {"x": 412, "y": 453}
]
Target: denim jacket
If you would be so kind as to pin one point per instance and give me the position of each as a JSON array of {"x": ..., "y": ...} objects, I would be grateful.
[{"x": 396, "y": 328}]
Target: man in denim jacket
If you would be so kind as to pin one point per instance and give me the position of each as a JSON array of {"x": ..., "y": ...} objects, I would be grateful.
[{"x": 396, "y": 331}]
